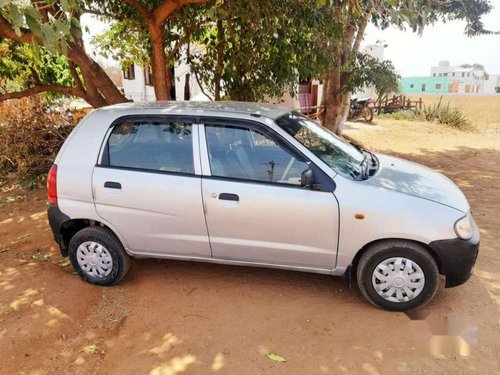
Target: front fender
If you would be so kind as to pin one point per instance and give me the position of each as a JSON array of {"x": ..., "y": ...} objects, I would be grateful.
[{"x": 370, "y": 213}]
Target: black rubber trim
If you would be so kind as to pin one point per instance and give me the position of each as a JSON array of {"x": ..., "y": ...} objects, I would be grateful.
[
  {"x": 56, "y": 220},
  {"x": 457, "y": 258}
]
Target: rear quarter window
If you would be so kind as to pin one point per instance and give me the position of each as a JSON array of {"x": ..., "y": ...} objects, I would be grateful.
[{"x": 152, "y": 145}]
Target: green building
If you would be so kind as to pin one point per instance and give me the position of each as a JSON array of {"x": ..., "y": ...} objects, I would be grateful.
[{"x": 429, "y": 85}]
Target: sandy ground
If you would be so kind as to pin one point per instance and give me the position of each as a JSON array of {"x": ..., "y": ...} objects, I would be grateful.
[{"x": 170, "y": 317}]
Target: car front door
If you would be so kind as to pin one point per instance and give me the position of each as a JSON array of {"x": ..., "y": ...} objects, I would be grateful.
[
  {"x": 256, "y": 209},
  {"x": 147, "y": 185}
]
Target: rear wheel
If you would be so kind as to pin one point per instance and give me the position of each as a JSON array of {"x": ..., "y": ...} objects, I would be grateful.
[
  {"x": 98, "y": 256},
  {"x": 398, "y": 275}
]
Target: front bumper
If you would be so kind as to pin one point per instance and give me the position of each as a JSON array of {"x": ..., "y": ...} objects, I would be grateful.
[{"x": 457, "y": 258}]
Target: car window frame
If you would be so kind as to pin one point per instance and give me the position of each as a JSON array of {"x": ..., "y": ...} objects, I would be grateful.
[
  {"x": 326, "y": 183},
  {"x": 103, "y": 159}
]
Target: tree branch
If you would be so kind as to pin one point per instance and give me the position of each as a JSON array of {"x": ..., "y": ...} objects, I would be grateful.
[
  {"x": 74, "y": 74},
  {"x": 361, "y": 30},
  {"x": 43, "y": 88},
  {"x": 97, "y": 12},
  {"x": 145, "y": 13},
  {"x": 7, "y": 31},
  {"x": 167, "y": 7},
  {"x": 183, "y": 40}
]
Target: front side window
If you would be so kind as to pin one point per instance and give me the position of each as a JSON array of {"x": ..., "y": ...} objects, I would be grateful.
[
  {"x": 341, "y": 156},
  {"x": 152, "y": 145},
  {"x": 245, "y": 153}
]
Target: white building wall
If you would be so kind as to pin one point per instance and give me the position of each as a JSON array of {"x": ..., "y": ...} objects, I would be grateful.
[
  {"x": 491, "y": 84},
  {"x": 181, "y": 70},
  {"x": 376, "y": 51},
  {"x": 136, "y": 89}
]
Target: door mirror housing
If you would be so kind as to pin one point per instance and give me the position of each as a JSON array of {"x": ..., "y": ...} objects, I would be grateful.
[{"x": 307, "y": 179}]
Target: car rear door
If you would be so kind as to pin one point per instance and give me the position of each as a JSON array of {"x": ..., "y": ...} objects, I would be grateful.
[
  {"x": 147, "y": 185},
  {"x": 256, "y": 209}
]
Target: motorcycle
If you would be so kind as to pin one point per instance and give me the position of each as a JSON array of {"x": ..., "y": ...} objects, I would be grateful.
[{"x": 361, "y": 108}]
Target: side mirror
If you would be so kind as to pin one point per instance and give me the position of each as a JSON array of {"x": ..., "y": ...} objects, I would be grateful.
[{"x": 307, "y": 179}]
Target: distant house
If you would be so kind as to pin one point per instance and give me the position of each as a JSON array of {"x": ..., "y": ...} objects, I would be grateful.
[
  {"x": 426, "y": 85},
  {"x": 138, "y": 84},
  {"x": 446, "y": 78}
]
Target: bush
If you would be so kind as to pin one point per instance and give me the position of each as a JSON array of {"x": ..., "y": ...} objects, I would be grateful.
[
  {"x": 406, "y": 115},
  {"x": 445, "y": 115},
  {"x": 31, "y": 134}
]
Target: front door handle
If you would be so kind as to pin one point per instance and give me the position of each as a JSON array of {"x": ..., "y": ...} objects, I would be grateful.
[
  {"x": 112, "y": 185},
  {"x": 229, "y": 197}
]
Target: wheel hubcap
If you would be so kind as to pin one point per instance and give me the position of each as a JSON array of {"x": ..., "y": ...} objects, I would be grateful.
[
  {"x": 94, "y": 259},
  {"x": 398, "y": 279}
]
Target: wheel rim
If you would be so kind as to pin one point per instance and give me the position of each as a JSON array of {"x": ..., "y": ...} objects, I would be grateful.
[
  {"x": 398, "y": 279},
  {"x": 94, "y": 259}
]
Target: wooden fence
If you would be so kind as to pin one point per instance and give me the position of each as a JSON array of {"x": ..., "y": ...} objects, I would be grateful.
[{"x": 398, "y": 103}]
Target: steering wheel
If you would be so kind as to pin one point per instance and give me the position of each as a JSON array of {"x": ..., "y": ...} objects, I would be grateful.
[{"x": 287, "y": 169}]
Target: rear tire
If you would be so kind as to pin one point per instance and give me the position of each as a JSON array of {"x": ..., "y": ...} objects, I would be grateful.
[
  {"x": 398, "y": 275},
  {"x": 98, "y": 256}
]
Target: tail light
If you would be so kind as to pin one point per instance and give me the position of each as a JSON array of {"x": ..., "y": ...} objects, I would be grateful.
[{"x": 52, "y": 184}]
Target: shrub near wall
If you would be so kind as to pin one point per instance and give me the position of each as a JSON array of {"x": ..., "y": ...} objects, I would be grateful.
[{"x": 31, "y": 133}]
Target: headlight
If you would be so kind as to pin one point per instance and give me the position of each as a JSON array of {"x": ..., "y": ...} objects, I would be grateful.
[{"x": 464, "y": 227}]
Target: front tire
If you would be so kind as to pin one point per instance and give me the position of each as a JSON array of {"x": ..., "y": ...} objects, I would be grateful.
[
  {"x": 367, "y": 113},
  {"x": 98, "y": 256},
  {"x": 398, "y": 275}
]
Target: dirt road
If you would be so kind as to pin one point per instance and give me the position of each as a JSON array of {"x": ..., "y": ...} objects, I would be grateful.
[{"x": 171, "y": 317}]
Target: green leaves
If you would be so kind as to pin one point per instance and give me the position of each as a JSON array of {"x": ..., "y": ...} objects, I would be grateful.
[
  {"x": 53, "y": 29},
  {"x": 16, "y": 17},
  {"x": 275, "y": 357}
]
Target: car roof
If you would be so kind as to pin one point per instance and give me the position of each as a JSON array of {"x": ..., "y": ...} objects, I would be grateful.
[{"x": 204, "y": 108}]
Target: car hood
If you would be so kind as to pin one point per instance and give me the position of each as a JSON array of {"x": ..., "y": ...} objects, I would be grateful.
[{"x": 415, "y": 179}]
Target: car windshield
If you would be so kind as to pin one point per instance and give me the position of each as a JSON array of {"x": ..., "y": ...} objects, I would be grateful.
[{"x": 340, "y": 155}]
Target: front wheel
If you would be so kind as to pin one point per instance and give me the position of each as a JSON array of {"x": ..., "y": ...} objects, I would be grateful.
[
  {"x": 398, "y": 275},
  {"x": 367, "y": 113}
]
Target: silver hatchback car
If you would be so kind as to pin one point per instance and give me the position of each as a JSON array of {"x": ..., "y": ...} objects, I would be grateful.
[{"x": 255, "y": 185}]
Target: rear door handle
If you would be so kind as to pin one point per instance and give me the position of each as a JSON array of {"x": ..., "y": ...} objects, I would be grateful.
[
  {"x": 112, "y": 185},
  {"x": 229, "y": 197}
]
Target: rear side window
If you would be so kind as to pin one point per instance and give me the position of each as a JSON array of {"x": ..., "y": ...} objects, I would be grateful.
[{"x": 152, "y": 145}]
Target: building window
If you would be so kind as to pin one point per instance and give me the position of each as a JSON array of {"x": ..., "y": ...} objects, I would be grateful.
[
  {"x": 423, "y": 87},
  {"x": 463, "y": 74},
  {"x": 129, "y": 72},
  {"x": 412, "y": 85},
  {"x": 440, "y": 74},
  {"x": 433, "y": 74},
  {"x": 438, "y": 86},
  {"x": 445, "y": 75},
  {"x": 453, "y": 74},
  {"x": 486, "y": 77},
  {"x": 148, "y": 76}
]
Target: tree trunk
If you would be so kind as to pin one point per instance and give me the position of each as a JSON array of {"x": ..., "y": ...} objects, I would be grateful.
[
  {"x": 337, "y": 99},
  {"x": 336, "y": 103},
  {"x": 220, "y": 60},
  {"x": 99, "y": 87},
  {"x": 161, "y": 75}
]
